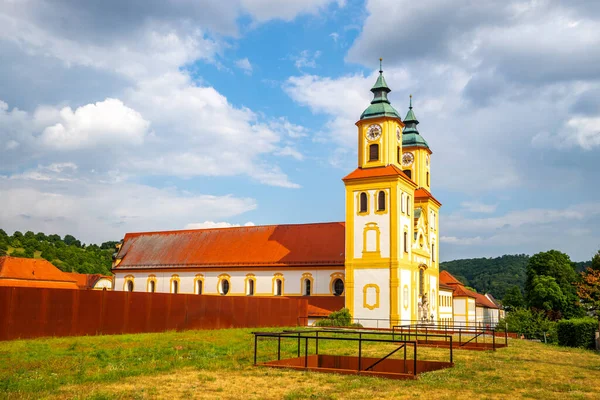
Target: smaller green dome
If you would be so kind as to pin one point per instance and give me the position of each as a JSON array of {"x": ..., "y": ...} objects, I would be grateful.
[{"x": 410, "y": 133}]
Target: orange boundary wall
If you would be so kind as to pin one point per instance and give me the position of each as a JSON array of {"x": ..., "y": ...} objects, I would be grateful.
[{"x": 40, "y": 312}]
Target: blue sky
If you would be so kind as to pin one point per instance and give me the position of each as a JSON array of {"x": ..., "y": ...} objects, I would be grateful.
[{"x": 149, "y": 115}]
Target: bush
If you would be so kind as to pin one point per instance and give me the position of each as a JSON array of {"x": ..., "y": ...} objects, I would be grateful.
[
  {"x": 577, "y": 332},
  {"x": 531, "y": 324},
  {"x": 337, "y": 318}
]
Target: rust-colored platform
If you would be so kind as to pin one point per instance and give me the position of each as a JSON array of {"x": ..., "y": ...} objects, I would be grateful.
[{"x": 388, "y": 368}]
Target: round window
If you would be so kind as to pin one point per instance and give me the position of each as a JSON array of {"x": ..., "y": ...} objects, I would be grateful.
[{"x": 338, "y": 287}]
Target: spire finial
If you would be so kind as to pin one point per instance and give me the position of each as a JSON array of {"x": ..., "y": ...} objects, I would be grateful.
[
  {"x": 380, "y": 65},
  {"x": 410, "y": 102}
]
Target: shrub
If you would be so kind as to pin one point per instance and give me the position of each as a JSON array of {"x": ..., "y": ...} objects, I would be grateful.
[
  {"x": 577, "y": 332},
  {"x": 531, "y": 324},
  {"x": 337, "y": 318}
]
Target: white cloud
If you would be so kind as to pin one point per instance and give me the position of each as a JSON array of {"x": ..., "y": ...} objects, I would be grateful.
[
  {"x": 102, "y": 124},
  {"x": 478, "y": 207},
  {"x": 583, "y": 132},
  {"x": 334, "y": 36},
  {"x": 288, "y": 151},
  {"x": 75, "y": 206},
  {"x": 212, "y": 224},
  {"x": 244, "y": 65},
  {"x": 306, "y": 59}
]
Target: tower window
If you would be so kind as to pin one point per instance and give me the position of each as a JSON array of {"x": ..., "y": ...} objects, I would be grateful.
[
  {"x": 364, "y": 203},
  {"x": 433, "y": 252},
  {"x": 399, "y": 156},
  {"x": 406, "y": 242},
  {"x": 408, "y": 172},
  {"x": 381, "y": 201},
  {"x": 278, "y": 287},
  {"x": 175, "y": 287},
  {"x": 428, "y": 179},
  {"x": 408, "y": 205},
  {"x": 374, "y": 152},
  {"x": 129, "y": 286},
  {"x": 250, "y": 287},
  {"x": 151, "y": 287},
  {"x": 198, "y": 287}
]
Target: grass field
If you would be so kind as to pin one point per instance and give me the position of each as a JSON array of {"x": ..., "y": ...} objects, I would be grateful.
[{"x": 218, "y": 364}]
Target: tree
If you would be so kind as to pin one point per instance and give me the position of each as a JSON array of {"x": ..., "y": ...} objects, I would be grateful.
[
  {"x": 3, "y": 233},
  {"x": 596, "y": 261},
  {"x": 556, "y": 265},
  {"x": 40, "y": 236},
  {"x": 588, "y": 290},
  {"x": 545, "y": 295},
  {"x": 513, "y": 299}
]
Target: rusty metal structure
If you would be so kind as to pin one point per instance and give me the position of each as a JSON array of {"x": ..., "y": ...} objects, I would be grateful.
[
  {"x": 407, "y": 367},
  {"x": 41, "y": 312}
]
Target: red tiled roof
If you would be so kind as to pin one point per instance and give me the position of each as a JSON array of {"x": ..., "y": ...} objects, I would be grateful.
[
  {"x": 271, "y": 245},
  {"x": 87, "y": 281},
  {"x": 483, "y": 301},
  {"x": 422, "y": 193},
  {"x": 29, "y": 272},
  {"x": 443, "y": 286},
  {"x": 314, "y": 311},
  {"x": 389, "y": 170},
  {"x": 461, "y": 291},
  {"x": 449, "y": 279}
]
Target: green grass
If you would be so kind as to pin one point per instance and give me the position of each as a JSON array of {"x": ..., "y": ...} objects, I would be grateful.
[{"x": 218, "y": 364}]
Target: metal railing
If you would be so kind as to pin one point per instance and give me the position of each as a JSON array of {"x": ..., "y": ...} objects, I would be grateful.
[
  {"x": 469, "y": 333},
  {"x": 363, "y": 337},
  {"x": 386, "y": 323}
]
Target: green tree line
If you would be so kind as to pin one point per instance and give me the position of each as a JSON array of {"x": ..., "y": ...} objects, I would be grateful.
[{"x": 67, "y": 253}]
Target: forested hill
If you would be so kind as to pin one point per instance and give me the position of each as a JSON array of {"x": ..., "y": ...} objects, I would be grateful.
[
  {"x": 494, "y": 275},
  {"x": 67, "y": 253}
]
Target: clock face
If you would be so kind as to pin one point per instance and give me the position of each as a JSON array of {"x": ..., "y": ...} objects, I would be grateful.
[
  {"x": 399, "y": 134},
  {"x": 374, "y": 132},
  {"x": 407, "y": 159}
]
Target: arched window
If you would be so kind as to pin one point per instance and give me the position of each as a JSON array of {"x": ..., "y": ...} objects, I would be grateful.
[
  {"x": 224, "y": 289},
  {"x": 408, "y": 205},
  {"x": 151, "y": 287},
  {"x": 338, "y": 287},
  {"x": 408, "y": 172},
  {"x": 278, "y": 287},
  {"x": 399, "y": 156},
  {"x": 428, "y": 179},
  {"x": 406, "y": 242},
  {"x": 433, "y": 252},
  {"x": 364, "y": 203},
  {"x": 175, "y": 287},
  {"x": 374, "y": 152},
  {"x": 421, "y": 281},
  {"x": 250, "y": 287},
  {"x": 129, "y": 286},
  {"x": 381, "y": 201},
  {"x": 307, "y": 287},
  {"x": 199, "y": 286}
]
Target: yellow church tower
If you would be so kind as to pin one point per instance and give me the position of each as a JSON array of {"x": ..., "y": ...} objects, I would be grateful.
[{"x": 388, "y": 259}]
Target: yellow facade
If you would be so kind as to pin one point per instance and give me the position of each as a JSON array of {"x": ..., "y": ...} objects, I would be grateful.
[{"x": 392, "y": 248}]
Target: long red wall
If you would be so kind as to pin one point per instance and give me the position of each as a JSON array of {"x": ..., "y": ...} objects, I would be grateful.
[{"x": 35, "y": 312}]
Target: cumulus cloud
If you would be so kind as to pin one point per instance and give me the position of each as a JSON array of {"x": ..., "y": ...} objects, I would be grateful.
[
  {"x": 263, "y": 10},
  {"x": 478, "y": 207},
  {"x": 96, "y": 125}
]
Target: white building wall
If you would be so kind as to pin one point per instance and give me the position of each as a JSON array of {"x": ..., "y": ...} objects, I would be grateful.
[
  {"x": 376, "y": 284},
  {"x": 237, "y": 281},
  {"x": 406, "y": 289},
  {"x": 382, "y": 221}
]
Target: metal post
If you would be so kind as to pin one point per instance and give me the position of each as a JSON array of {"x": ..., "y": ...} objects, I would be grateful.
[
  {"x": 450, "y": 348},
  {"x": 426, "y": 338},
  {"x": 317, "y": 343},
  {"x": 405, "y": 356},
  {"x": 255, "y": 344},
  {"x": 459, "y": 336},
  {"x": 298, "y": 344},
  {"x": 306, "y": 352},
  {"x": 415, "y": 360},
  {"x": 359, "y": 351},
  {"x": 494, "y": 341},
  {"x": 278, "y": 347},
  {"x": 505, "y": 336}
]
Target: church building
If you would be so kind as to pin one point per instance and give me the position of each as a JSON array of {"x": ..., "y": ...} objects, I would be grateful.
[{"x": 381, "y": 262}]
